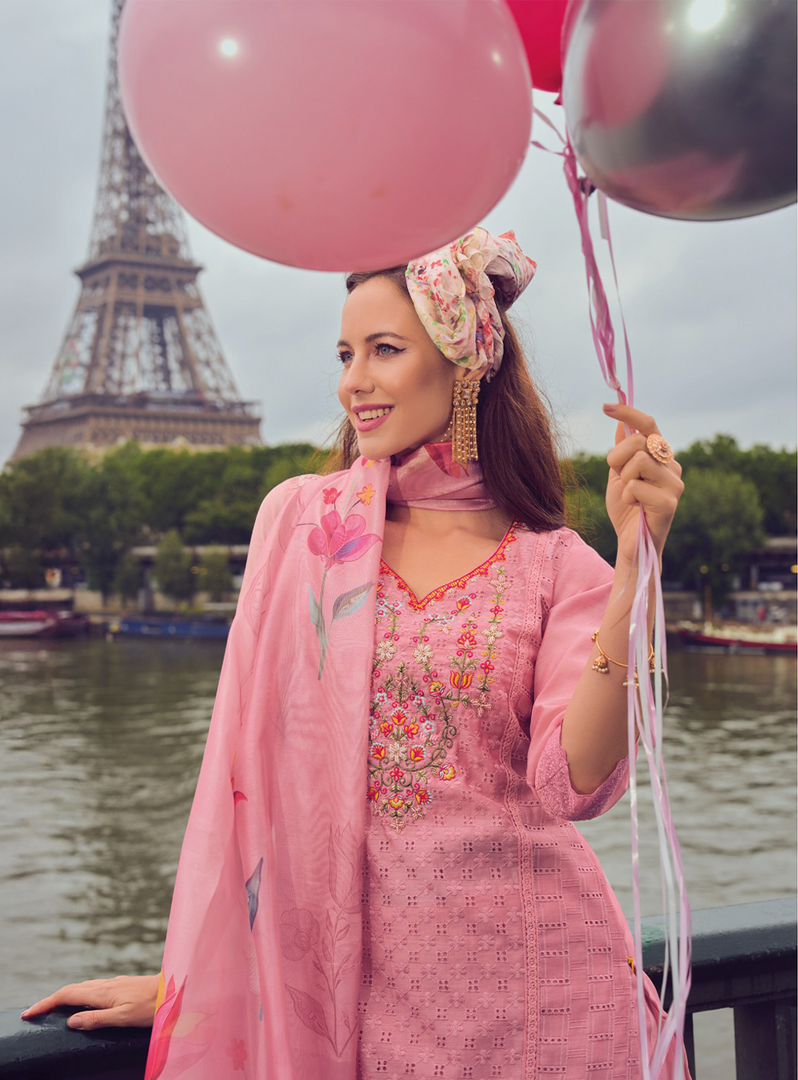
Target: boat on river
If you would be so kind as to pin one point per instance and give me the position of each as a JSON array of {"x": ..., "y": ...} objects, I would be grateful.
[
  {"x": 205, "y": 627},
  {"x": 43, "y": 624},
  {"x": 735, "y": 637}
]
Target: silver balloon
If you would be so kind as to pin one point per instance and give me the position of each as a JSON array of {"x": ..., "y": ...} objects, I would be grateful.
[{"x": 684, "y": 108}]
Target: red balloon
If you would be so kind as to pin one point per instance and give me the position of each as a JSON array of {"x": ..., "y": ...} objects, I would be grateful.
[
  {"x": 540, "y": 24},
  {"x": 328, "y": 134}
]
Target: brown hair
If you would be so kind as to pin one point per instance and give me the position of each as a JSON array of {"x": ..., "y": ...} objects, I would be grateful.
[{"x": 514, "y": 433}]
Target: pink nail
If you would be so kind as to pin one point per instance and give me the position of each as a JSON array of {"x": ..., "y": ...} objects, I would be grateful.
[{"x": 609, "y": 408}]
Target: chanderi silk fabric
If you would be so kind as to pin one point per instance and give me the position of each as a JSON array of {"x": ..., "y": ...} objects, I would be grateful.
[
  {"x": 271, "y": 860},
  {"x": 380, "y": 876}
]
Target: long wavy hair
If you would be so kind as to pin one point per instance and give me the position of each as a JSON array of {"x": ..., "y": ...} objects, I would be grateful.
[{"x": 515, "y": 433}]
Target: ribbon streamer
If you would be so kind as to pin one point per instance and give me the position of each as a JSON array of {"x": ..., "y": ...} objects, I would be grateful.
[{"x": 645, "y": 704}]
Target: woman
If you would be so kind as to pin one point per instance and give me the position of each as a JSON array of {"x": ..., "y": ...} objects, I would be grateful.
[{"x": 434, "y": 913}]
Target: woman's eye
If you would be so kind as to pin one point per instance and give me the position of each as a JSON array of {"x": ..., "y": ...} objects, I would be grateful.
[
  {"x": 343, "y": 357},
  {"x": 385, "y": 345}
]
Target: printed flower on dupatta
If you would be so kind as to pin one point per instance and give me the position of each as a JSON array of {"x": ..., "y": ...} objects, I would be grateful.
[
  {"x": 299, "y": 932},
  {"x": 237, "y": 1052},
  {"x": 340, "y": 541}
]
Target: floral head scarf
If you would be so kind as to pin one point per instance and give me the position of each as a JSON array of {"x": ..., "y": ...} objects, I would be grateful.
[{"x": 453, "y": 291}]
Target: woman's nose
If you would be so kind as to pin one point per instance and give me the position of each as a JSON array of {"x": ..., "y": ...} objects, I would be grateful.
[{"x": 357, "y": 377}]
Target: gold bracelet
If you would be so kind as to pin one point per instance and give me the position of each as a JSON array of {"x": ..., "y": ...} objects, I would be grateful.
[{"x": 602, "y": 662}]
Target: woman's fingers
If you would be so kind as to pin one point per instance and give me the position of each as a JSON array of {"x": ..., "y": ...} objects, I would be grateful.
[
  {"x": 642, "y": 466},
  {"x": 126, "y": 1001},
  {"x": 652, "y": 499},
  {"x": 625, "y": 450},
  {"x": 633, "y": 418},
  {"x": 638, "y": 480},
  {"x": 86, "y": 993},
  {"x": 120, "y": 1016},
  {"x": 627, "y": 447}
]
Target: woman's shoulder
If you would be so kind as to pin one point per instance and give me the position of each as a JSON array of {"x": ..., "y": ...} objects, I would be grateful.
[
  {"x": 558, "y": 552},
  {"x": 281, "y": 493}
]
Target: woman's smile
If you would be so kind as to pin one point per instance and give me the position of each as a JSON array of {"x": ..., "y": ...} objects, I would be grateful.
[{"x": 368, "y": 417}]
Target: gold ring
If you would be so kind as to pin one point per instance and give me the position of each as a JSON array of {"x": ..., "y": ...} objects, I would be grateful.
[{"x": 659, "y": 449}]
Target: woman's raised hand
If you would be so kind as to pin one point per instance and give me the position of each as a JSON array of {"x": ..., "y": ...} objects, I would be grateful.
[
  {"x": 637, "y": 480},
  {"x": 126, "y": 1001}
]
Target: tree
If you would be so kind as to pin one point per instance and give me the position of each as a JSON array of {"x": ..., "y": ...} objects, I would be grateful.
[
  {"x": 591, "y": 470},
  {"x": 23, "y": 568},
  {"x": 172, "y": 567},
  {"x": 771, "y": 471},
  {"x": 227, "y": 509},
  {"x": 718, "y": 522},
  {"x": 127, "y": 579},
  {"x": 587, "y": 514},
  {"x": 175, "y": 482},
  {"x": 40, "y": 499},
  {"x": 110, "y": 522},
  {"x": 215, "y": 576}
]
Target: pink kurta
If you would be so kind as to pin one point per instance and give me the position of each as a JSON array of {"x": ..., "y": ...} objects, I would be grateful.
[{"x": 493, "y": 945}]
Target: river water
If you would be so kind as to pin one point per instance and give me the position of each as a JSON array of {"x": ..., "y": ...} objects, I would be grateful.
[{"x": 101, "y": 743}]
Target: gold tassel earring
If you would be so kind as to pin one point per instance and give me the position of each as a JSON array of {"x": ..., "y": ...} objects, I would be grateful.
[{"x": 464, "y": 421}]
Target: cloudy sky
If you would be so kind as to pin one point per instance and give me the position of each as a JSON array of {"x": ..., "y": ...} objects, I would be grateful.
[{"x": 710, "y": 307}]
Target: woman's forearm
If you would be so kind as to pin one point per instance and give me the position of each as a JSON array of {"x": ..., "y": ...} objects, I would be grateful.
[{"x": 594, "y": 730}]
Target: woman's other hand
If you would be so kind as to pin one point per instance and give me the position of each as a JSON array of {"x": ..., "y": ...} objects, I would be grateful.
[
  {"x": 126, "y": 1001},
  {"x": 638, "y": 480}
]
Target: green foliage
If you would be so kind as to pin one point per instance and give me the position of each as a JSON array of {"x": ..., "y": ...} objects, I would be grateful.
[
  {"x": 718, "y": 522},
  {"x": 172, "y": 567},
  {"x": 771, "y": 471},
  {"x": 127, "y": 579},
  {"x": 732, "y": 498},
  {"x": 175, "y": 483},
  {"x": 112, "y": 504},
  {"x": 591, "y": 470},
  {"x": 95, "y": 511},
  {"x": 214, "y": 573},
  {"x": 23, "y": 568},
  {"x": 40, "y": 502},
  {"x": 226, "y": 510},
  {"x": 587, "y": 514}
]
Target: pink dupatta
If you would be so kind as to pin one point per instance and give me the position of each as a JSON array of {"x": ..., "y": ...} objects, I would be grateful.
[{"x": 262, "y": 962}]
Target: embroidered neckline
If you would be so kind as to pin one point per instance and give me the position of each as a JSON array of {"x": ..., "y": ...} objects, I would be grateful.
[{"x": 499, "y": 555}]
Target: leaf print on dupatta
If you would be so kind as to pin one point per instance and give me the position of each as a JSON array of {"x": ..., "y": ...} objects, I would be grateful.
[
  {"x": 338, "y": 540},
  {"x": 301, "y": 935},
  {"x": 181, "y": 1038}
]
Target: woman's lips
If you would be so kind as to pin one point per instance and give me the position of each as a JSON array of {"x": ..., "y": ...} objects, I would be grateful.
[{"x": 369, "y": 425}]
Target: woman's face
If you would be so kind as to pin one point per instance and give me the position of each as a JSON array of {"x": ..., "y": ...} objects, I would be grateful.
[{"x": 395, "y": 385}]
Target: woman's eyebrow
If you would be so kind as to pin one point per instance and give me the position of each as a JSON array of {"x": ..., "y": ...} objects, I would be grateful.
[{"x": 373, "y": 337}]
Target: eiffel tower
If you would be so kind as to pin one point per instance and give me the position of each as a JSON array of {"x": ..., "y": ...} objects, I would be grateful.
[{"x": 140, "y": 358}]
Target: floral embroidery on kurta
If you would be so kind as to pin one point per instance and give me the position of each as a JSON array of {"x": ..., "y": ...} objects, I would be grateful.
[{"x": 445, "y": 664}]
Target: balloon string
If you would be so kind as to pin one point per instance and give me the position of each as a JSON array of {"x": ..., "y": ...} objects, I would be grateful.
[{"x": 645, "y": 704}]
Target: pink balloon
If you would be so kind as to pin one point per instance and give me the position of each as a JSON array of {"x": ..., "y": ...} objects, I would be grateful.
[{"x": 329, "y": 134}]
